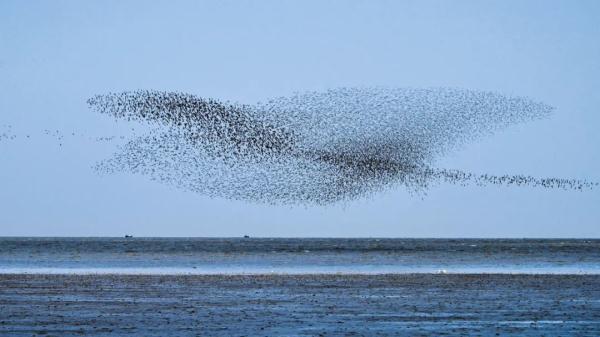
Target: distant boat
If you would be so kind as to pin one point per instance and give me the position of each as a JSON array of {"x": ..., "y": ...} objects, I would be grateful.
[
  {"x": 127, "y": 236},
  {"x": 246, "y": 236}
]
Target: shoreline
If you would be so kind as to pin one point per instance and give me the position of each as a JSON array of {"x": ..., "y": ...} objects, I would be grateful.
[
  {"x": 330, "y": 304},
  {"x": 347, "y": 274}
]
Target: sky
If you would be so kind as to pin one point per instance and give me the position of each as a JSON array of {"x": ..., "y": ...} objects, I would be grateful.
[{"x": 54, "y": 55}]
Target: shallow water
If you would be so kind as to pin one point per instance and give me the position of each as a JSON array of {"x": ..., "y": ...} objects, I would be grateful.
[
  {"x": 297, "y": 256},
  {"x": 300, "y": 305}
]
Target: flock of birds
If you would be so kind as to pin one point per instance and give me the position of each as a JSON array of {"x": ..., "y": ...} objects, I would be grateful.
[
  {"x": 310, "y": 148},
  {"x": 59, "y": 136},
  {"x": 6, "y": 133},
  {"x": 315, "y": 147}
]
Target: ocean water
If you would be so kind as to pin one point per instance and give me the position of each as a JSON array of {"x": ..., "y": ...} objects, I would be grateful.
[{"x": 296, "y": 256}]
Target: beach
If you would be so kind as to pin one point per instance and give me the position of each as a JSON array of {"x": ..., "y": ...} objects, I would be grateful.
[
  {"x": 298, "y": 287},
  {"x": 299, "y": 305}
]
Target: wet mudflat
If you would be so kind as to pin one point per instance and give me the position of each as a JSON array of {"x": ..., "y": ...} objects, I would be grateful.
[{"x": 347, "y": 305}]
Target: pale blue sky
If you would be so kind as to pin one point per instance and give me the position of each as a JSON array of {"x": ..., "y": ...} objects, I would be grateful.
[{"x": 56, "y": 54}]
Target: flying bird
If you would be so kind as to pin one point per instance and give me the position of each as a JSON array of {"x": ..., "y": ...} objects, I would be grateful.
[{"x": 315, "y": 147}]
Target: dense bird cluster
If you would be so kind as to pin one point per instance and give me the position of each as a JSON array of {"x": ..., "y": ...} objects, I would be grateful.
[{"x": 316, "y": 147}]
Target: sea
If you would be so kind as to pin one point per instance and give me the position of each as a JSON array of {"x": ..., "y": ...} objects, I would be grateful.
[{"x": 141, "y": 255}]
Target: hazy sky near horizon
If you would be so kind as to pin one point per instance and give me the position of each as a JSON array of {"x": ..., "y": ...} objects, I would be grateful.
[{"x": 54, "y": 55}]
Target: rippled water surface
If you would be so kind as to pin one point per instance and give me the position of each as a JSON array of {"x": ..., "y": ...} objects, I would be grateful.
[{"x": 297, "y": 256}]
